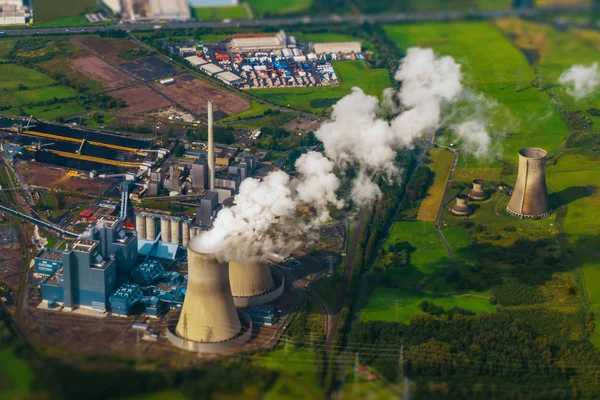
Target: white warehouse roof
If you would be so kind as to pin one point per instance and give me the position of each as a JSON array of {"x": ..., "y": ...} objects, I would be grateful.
[
  {"x": 170, "y": 9},
  {"x": 196, "y": 61},
  {"x": 229, "y": 77},
  {"x": 211, "y": 68},
  {"x": 337, "y": 47}
]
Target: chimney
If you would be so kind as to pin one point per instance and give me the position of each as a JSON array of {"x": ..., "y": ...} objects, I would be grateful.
[
  {"x": 211, "y": 148},
  {"x": 529, "y": 199}
]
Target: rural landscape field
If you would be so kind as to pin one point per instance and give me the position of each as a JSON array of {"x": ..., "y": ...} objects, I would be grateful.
[{"x": 300, "y": 200}]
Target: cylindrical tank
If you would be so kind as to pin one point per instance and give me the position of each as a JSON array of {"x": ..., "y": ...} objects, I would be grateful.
[
  {"x": 250, "y": 279},
  {"x": 477, "y": 193},
  {"x": 165, "y": 229},
  {"x": 530, "y": 195},
  {"x": 461, "y": 207},
  {"x": 208, "y": 313},
  {"x": 185, "y": 233},
  {"x": 140, "y": 226},
  {"x": 150, "y": 227},
  {"x": 175, "y": 222}
]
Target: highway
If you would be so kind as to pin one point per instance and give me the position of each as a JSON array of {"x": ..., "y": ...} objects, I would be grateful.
[{"x": 299, "y": 20}]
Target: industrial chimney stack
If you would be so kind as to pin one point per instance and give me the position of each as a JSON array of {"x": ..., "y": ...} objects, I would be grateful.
[
  {"x": 211, "y": 148},
  {"x": 529, "y": 199}
]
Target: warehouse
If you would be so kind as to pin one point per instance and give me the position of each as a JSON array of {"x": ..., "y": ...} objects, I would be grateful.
[
  {"x": 230, "y": 78},
  {"x": 256, "y": 42},
  {"x": 171, "y": 10},
  {"x": 339, "y": 47},
  {"x": 196, "y": 61},
  {"x": 211, "y": 69}
]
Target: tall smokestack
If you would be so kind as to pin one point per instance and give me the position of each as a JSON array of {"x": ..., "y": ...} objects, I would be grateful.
[
  {"x": 211, "y": 148},
  {"x": 252, "y": 283},
  {"x": 208, "y": 314},
  {"x": 529, "y": 199}
]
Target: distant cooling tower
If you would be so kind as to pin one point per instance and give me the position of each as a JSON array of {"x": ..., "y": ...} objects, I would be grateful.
[
  {"x": 461, "y": 208},
  {"x": 529, "y": 199},
  {"x": 253, "y": 284},
  {"x": 477, "y": 193},
  {"x": 208, "y": 314}
]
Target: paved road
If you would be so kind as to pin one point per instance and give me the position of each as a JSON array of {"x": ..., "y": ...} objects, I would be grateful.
[{"x": 332, "y": 19}]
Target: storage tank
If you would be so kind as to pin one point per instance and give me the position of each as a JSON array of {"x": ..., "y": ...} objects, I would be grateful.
[
  {"x": 477, "y": 192},
  {"x": 165, "y": 228},
  {"x": 150, "y": 227},
  {"x": 529, "y": 199},
  {"x": 140, "y": 226},
  {"x": 175, "y": 222},
  {"x": 208, "y": 314},
  {"x": 252, "y": 283},
  {"x": 185, "y": 233},
  {"x": 461, "y": 208}
]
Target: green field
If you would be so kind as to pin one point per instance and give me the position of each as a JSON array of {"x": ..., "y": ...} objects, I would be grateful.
[
  {"x": 16, "y": 376},
  {"x": 220, "y": 13},
  {"x": 262, "y": 8},
  {"x": 398, "y": 305},
  {"x": 46, "y": 11},
  {"x": 320, "y": 99},
  {"x": 256, "y": 110},
  {"x": 496, "y": 69},
  {"x": 5, "y": 47},
  {"x": 441, "y": 165},
  {"x": 12, "y": 75}
]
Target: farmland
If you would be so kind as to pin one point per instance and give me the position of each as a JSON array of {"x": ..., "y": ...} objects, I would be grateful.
[
  {"x": 46, "y": 11},
  {"x": 441, "y": 165},
  {"x": 265, "y": 8},
  {"x": 522, "y": 114},
  {"x": 220, "y": 13},
  {"x": 320, "y": 99}
]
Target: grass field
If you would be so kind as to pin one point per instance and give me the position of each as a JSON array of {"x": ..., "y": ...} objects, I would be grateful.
[
  {"x": 220, "y": 13},
  {"x": 46, "y": 11},
  {"x": 469, "y": 174},
  {"x": 256, "y": 110},
  {"x": 398, "y": 305},
  {"x": 494, "y": 68},
  {"x": 441, "y": 166},
  {"x": 429, "y": 258},
  {"x": 555, "y": 53},
  {"x": 16, "y": 376},
  {"x": 262, "y": 8},
  {"x": 320, "y": 99},
  {"x": 12, "y": 75},
  {"x": 5, "y": 47}
]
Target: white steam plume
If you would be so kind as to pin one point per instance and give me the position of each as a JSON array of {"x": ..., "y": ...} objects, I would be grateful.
[
  {"x": 356, "y": 137},
  {"x": 476, "y": 139},
  {"x": 580, "y": 80}
]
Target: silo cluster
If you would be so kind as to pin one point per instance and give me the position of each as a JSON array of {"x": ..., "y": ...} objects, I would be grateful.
[
  {"x": 150, "y": 227},
  {"x": 140, "y": 225}
]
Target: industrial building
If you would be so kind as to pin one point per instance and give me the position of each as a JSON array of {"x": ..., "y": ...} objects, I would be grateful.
[
  {"x": 12, "y": 12},
  {"x": 337, "y": 47},
  {"x": 213, "y": 3},
  {"x": 529, "y": 198},
  {"x": 261, "y": 42},
  {"x": 177, "y": 10},
  {"x": 113, "y": 5},
  {"x": 47, "y": 262},
  {"x": 461, "y": 208}
]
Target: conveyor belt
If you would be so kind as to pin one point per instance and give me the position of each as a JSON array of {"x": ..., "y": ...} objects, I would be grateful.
[{"x": 116, "y": 163}]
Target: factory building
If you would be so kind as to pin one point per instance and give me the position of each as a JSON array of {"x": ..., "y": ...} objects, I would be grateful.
[
  {"x": 170, "y": 9},
  {"x": 230, "y": 78},
  {"x": 196, "y": 61},
  {"x": 529, "y": 199},
  {"x": 261, "y": 42},
  {"x": 126, "y": 299},
  {"x": 263, "y": 315},
  {"x": 113, "y": 5},
  {"x": 210, "y": 69},
  {"x": 86, "y": 278},
  {"x": 47, "y": 262},
  {"x": 204, "y": 212},
  {"x": 337, "y": 47},
  {"x": 227, "y": 180},
  {"x": 199, "y": 172},
  {"x": 147, "y": 272}
]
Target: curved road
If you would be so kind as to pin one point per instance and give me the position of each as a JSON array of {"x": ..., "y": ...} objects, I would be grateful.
[{"x": 332, "y": 19}]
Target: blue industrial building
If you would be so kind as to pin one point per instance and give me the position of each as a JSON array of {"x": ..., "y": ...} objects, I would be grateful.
[
  {"x": 125, "y": 299},
  {"x": 153, "y": 306},
  {"x": 92, "y": 266},
  {"x": 170, "y": 294},
  {"x": 47, "y": 262},
  {"x": 262, "y": 314},
  {"x": 148, "y": 272}
]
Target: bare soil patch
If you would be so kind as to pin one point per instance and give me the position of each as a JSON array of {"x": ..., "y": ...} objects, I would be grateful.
[
  {"x": 141, "y": 99},
  {"x": 98, "y": 70},
  {"x": 303, "y": 124},
  {"x": 57, "y": 178},
  {"x": 194, "y": 94},
  {"x": 107, "y": 48}
]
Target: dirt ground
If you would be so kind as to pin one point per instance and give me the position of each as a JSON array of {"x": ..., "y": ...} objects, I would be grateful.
[
  {"x": 98, "y": 70},
  {"x": 303, "y": 124},
  {"x": 57, "y": 178},
  {"x": 194, "y": 94},
  {"x": 174, "y": 111},
  {"x": 108, "y": 48},
  {"x": 141, "y": 99}
]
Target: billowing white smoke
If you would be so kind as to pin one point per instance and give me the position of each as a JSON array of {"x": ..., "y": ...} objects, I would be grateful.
[
  {"x": 355, "y": 137},
  {"x": 476, "y": 139},
  {"x": 580, "y": 80}
]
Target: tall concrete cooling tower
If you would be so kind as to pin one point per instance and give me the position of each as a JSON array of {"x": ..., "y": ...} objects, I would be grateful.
[
  {"x": 253, "y": 284},
  {"x": 529, "y": 199},
  {"x": 208, "y": 314}
]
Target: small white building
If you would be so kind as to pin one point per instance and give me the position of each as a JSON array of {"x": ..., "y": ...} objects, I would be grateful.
[{"x": 337, "y": 47}]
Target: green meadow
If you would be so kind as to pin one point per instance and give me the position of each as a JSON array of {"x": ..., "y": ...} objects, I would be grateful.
[
  {"x": 220, "y": 13},
  {"x": 262, "y": 8}
]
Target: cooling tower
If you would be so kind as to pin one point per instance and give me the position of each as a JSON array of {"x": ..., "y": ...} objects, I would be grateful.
[
  {"x": 461, "y": 207},
  {"x": 252, "y": 283},
  {"x": 165, "y": 228},
  {"x": 140, "y": 226},
  {"x": 208, "y": 313},
  {"x": 530, "y": 197},
  {"x": 150, "y": 227},
  {"x": 175, "y": 222},
  {"x": 477, "y": 193},
  {"x": 185, "y": 233}
]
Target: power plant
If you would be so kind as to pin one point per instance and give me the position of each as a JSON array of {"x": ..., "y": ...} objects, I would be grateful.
[
  {"x": 477, "y": 193},
  {"x": 253, "y": 283},
  {"x": 461, "y": 208},
  {"x": 529, "y": 199}
]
